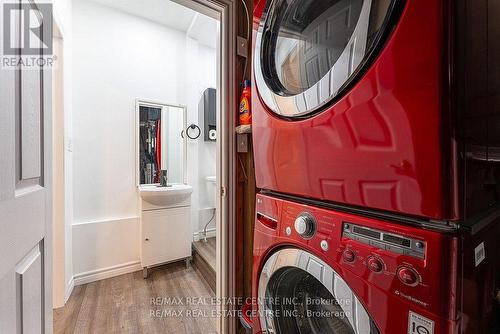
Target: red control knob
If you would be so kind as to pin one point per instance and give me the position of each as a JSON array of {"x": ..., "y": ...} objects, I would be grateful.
[
  {"x": 408, "y": 276},
  {"x": 349, "y": 255},
  {"x": 375, "y": 265}
]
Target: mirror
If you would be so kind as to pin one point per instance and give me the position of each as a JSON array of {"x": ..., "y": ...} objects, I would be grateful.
[{"x": 160, "y": 143}]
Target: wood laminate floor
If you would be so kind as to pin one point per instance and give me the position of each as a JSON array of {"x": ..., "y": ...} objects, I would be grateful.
[
  {"x": 174, "y": 299},
  {"x": 207, "y": 251}
]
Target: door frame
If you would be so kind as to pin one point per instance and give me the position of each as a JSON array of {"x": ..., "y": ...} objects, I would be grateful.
[
  {"x": 58, "y": 228},
  {"x": 225, "y": 12}
]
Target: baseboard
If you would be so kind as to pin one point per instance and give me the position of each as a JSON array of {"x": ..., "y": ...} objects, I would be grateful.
[
  {"x": 211, "y": 233},
  {"x": 69, "y": 290},
  {"x": 103, "y": 273}
]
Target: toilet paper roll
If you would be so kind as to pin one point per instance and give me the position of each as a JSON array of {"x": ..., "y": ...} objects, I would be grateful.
[{"x": 212, "y": 134}]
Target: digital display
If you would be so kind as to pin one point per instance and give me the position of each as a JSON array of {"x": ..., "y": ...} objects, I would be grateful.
[
  {"x": 366, "y": 232},
  {"x": 385, "y": 240},
  {"x": 397, "y": 240}
]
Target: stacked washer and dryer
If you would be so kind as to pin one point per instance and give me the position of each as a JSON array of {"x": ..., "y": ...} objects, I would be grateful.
[{"x": 376, "y": 130}]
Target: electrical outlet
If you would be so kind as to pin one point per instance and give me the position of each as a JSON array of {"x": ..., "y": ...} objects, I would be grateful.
[
  {"x": 242, "y": 46},
  {"x": 242, "y": 140}
]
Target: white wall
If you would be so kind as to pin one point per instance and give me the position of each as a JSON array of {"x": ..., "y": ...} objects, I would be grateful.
[
  {"x": 105, "y": 248},
  {"x": 202, "y": 74},
  {"x": 117, "y": 58}
]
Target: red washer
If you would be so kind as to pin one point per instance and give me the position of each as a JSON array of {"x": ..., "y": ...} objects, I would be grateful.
[
  {"x": 386, "y": 273},
  {"x": 359, "y": 273}
]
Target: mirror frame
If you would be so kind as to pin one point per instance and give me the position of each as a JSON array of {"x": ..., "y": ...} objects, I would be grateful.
[{"x": 149, "y": 103}]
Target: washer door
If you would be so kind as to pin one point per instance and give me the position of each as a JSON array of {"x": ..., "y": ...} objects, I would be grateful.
[
  {"x": 307, "y": 51},
  {"x": 299, "y": 293}
]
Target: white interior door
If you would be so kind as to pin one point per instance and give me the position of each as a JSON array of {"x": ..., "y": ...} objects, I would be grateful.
[{"x": 25, "y": 198}]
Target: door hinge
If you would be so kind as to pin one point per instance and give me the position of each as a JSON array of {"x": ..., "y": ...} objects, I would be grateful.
[{"x": 223, "y": 191}]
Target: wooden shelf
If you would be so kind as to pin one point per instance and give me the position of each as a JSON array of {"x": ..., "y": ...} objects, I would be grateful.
[{"x": 244, "y": 129}]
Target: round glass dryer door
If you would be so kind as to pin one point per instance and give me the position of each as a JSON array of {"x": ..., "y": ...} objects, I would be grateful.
[
  {"x": 301, "y": 294},
  {"x": 308, "y": 51}
]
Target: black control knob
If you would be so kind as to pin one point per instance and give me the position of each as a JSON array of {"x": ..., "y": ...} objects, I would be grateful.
[{"x": 305, "y": 225}]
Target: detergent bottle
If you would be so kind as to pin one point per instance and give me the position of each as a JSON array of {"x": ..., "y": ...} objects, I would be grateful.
[{"x": 245, "y": 114}]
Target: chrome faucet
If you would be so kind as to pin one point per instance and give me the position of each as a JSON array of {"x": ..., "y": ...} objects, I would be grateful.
[{"x": 163, "y": 178}]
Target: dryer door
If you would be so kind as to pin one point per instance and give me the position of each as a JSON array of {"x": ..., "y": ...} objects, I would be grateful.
[
  {"x": 299, "y": 293},
  {"x": 307, "y": 52}
]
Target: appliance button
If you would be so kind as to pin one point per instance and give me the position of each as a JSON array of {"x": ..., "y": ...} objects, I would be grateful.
[
  {"x": 354, "y": 237},
  {"x": 376, "y": 244},
  {"x": 394, "y": 249},
  {"x": 349, "y": 255},
  {"x": 408, "y": 276},
  {"x": 324, "y": 245},
  {"x": 375, "y": 265},
  {"x": 419, "y": 244},
  {"x": 305, "y": 225},
  {"x": 408, "y": 252}
]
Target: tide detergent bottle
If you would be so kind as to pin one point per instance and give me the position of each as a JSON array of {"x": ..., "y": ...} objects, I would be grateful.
[{"x": 245, "y": 114}]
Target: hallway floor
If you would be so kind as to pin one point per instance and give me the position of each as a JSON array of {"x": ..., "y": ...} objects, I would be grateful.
[{"x": 174, "y": 299}]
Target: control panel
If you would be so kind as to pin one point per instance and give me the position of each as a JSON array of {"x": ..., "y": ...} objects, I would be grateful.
[
  {"x": 384, "y": 240},
  {"x": 394, "y": 257}
]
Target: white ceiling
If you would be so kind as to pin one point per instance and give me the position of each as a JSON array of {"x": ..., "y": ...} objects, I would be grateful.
[
  {"x": 204, "y": 30},
  {"x": 170, "y": 14}
]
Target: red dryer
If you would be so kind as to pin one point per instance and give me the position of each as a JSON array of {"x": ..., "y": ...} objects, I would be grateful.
[
  {"x": 350, "y": 103},
  {"x": 390, "y": 105},
  {"x": 376, "y": 130}
]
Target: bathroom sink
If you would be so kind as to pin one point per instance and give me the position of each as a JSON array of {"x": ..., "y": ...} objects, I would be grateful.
[{"x": 165, "y": 196}]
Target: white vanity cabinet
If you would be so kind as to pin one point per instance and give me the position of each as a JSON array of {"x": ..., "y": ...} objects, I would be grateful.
[
  {"x": 166, "y": 232},
  {"x": 166, "y": 235}
]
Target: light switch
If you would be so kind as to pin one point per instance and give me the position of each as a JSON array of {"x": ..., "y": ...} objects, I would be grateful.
[{"x": 69, "y": 144}]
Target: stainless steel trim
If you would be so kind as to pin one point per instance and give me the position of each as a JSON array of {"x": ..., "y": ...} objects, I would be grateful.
[
  {"x": 328, "y": 87},
  {"x": 293, "y": 257},
  {"x": 380, "y": 242}
]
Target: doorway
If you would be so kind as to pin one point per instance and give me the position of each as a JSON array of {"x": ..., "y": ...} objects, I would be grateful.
[
  {"x": 58, "y": 162},
  {"x": 103, "y": 233}
]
